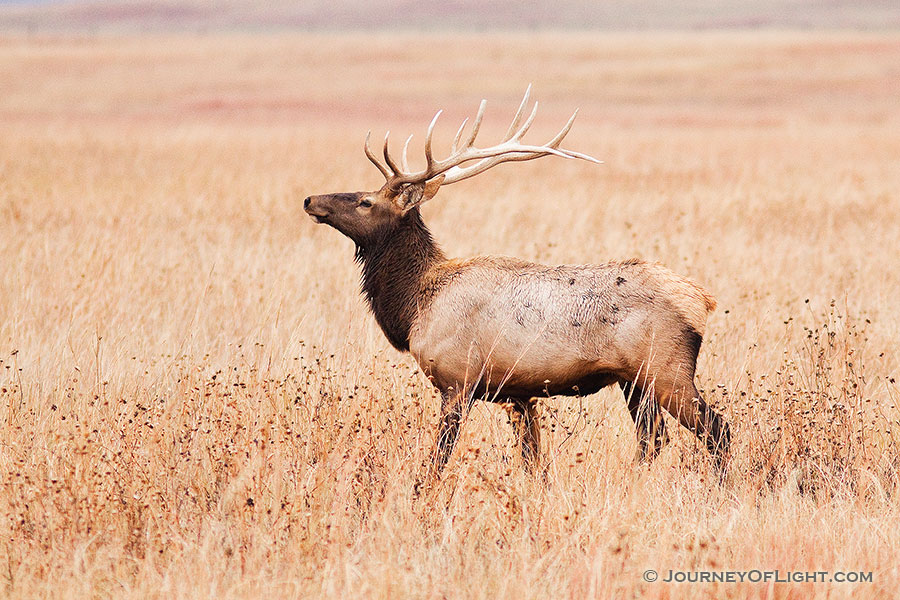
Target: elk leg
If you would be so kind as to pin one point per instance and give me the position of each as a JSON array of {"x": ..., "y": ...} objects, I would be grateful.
[
  {"x": 528, "y": 432},
  {"x": 648, "y": 421},
  {"x": 454, "y": 408},
  {"x": 687, "y": 405}
]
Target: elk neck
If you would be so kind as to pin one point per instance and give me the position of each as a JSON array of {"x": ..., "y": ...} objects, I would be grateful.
[{"x": 394, "y": 263}]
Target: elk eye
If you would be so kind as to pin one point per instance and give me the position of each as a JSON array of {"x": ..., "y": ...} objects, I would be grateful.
[{"x": 365, "y": 202}]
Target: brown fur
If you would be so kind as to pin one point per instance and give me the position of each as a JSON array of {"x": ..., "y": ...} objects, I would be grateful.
[{"x": 395, "y": 265}]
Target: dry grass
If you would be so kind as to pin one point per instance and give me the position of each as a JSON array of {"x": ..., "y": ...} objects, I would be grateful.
[{"x": 196, "y": 404}]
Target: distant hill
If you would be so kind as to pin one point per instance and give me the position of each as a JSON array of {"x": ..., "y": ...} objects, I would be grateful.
[{"x": 129, "y": 16}]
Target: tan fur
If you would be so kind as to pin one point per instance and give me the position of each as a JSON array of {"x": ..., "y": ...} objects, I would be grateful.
[
  {"x": 517, "y": 324},
  {"x": 688, "y": 297}
]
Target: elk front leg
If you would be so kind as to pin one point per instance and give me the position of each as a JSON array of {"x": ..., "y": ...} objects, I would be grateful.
[
  {"x": 528, "y": 432},
  {"x": 454, "y": 408}
]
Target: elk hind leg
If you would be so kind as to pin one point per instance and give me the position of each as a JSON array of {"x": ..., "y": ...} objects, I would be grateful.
[{"x": 686, "y": 404}]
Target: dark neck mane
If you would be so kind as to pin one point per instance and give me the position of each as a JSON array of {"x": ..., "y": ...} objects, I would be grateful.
[{"x": 393, "y": 265}]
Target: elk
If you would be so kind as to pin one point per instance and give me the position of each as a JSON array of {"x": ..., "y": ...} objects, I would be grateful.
[{"x": 508, "y": 330}]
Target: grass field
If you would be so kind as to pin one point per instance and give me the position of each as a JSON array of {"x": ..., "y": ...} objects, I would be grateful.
[{"x": 195, "y": 402}]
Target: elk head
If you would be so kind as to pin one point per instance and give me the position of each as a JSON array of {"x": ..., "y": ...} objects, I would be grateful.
[{"x": 363, "y": 216}]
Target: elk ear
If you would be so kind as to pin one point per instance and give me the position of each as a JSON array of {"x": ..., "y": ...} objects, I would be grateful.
[
  {"x": 431, "y": 188},
  {"x": 416, "y": 194}
]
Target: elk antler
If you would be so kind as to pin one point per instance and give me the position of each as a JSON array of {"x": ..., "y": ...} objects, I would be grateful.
[{"x": 510, "y": 149}]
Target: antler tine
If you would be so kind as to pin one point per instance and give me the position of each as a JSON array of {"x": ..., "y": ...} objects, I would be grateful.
[
  {"x": 571, "y": 154},
  {"x": 554, "y": 143},
  {"x": 563, "y": 132},
  {"x": 515, "y": 123},
  {"x": 455, "y": 146},
  {"x": 429, "y": 157},
  {"x": 371, "y": 156},
  {"x": 387, "y": 156},
  {"x": 518, "y": 136},
  {"x": 476, "y": 125},
  {"x": 403, "y": 161}
]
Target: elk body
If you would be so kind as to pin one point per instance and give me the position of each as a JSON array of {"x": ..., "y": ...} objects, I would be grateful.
[{"x": 508, "y": 330}]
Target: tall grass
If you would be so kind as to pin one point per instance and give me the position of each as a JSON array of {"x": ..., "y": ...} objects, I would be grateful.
[{"x": 195, "y": 402}]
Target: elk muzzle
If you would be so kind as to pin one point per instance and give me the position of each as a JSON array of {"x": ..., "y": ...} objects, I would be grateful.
[{"x": 315, "y": 209}]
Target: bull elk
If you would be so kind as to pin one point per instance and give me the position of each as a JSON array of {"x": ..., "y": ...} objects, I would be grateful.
[{"x": 508, "y": 330}]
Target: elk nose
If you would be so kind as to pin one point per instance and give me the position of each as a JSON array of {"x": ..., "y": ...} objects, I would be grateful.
[{"x": 306, "y": 202}]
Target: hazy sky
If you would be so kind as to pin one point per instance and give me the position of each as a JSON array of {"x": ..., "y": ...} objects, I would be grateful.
[{"x": 476, "y": 15}]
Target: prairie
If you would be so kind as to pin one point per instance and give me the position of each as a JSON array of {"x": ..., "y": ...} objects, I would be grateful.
[{"x": 195, "y": 401}]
